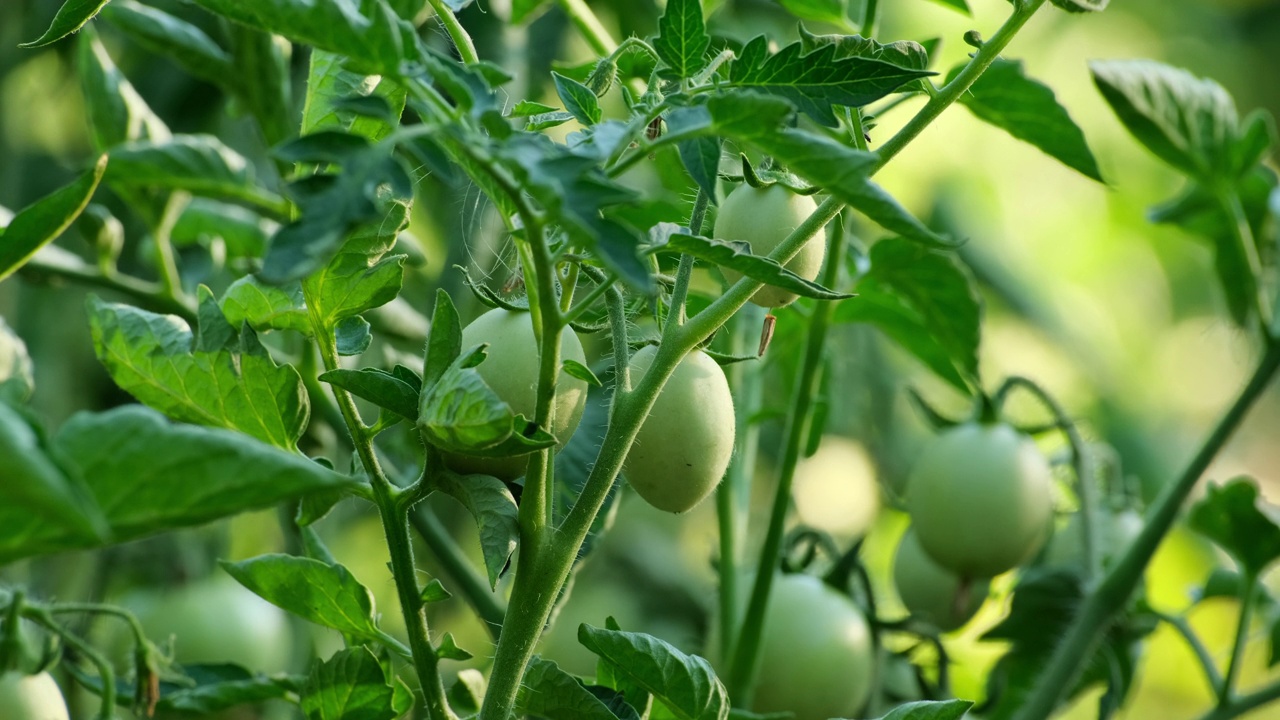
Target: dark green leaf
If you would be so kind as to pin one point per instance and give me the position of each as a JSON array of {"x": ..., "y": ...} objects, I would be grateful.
[
  {"x": 578, "y": 99},
  {"x": 1235, "y": 518},
  {"x": 352, "y": 284},
  {"x": 817, "y": 80},
  {"x": 444, "y": 344},
  {"x": 756, "y": 267},
  {"x": 378, "y": 387},
  {"x": 549, "y": 692},
  {"x": 682, "y": 40},
  {"x": 148, "y": 476},
  {"x": 261, "y": 81},
  {"x": 434, "y": 591},
  {"x": 115, "y": 110},
  {"x": 352, "y": 335},
  {"x": 243, "y": 234},
  {"x": 940, "y": 710},
  {"x": 44, "y": 220},
  {"x": 351, "y": 685},
  {"x": 573, "y": 368},
  {"x": 165, "y": 34},
  {"x": 496, "y": 515},
  {"x": 460, "y": 413},
  {"x": 71, "y": 17},
  {"x": 686, "y": 684},
  {"x": 1188, "y": 122},
  {"x": 199, "y": 164},
  {"x": 701, "y": 157},
  {"x": 233, "y": 384},
  {"x": 1028, "y": 110},
  {"x": 904, "y": 53},
  {"x": 323, "y": 593},
  {"x": 449, "y": 649},
  {"x": 835, "y": 12}
]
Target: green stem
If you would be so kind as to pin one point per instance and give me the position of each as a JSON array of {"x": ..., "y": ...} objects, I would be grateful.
[
  {"x": 742, "y": 671},
  {"x": 1245, "y": 703},
  {"x": 70, "y": 267},
  {"x": 1081, "y": 466},
  {"x": 589, "y": 25},
  {"x": 1111, "y": 595},
  {"x": 105, "y": 672},
  {"x": 1211, "y": 674},
  {"x": 464, "y": 575},
  {"x": 953, "y": 90},
  {"x": 166, "y": 265},
  {"x": 597, "y": 292},
  {"x": 1248, "y": 599},
  {"x": 870, "y": 13},
  {"x": 685, "y": 272},
  {"x": 1243, "y": 234},
  {"x": 457, "y": 33},
  {"x": 733, "y": 496},
  {"x": 395, "y": 525}
]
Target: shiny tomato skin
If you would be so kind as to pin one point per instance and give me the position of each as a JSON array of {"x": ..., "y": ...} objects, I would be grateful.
[
  {"x": 932, "y": 593},
  {"x": 31, "y": 697}
]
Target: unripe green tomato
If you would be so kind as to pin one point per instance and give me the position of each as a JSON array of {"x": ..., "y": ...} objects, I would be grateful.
[
  {"x": 683, "y": 447},
  {"x": 31, "y": 697},
  {"x": 764, "y": 217},
  {"x": 816, "y": 658},
  {"x": 1116, "y": 532},
  {"x": 213, "y": 620},
  {"x": 932, "y": 593},
  {"x": 511, "y": 371},
  {"x": 981, "y": 499}
]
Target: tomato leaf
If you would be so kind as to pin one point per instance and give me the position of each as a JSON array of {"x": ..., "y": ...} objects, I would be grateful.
[
  {"x": 323, "y": 593},
  {"x": 1028, "y": 110},
  {"x": 265, "y": 307},
  {"x": 220, "y": 376},
  {"x": 260, "y": 80},
  {"x": 1239, "y": 521},
  {"x": 148, "y": 475},
  {"x": 199, "y": 164},
  {"x": 72, "y": 16},
  {"x": 165, "y": 34},
  {"x": 835, "y": 12},
  {"x": 116, "y": 112},
  {"x": 686, "y": 684},
  {"x": 44, "y": 220},
  {"x": 547, "y": 691},
  {"x": 368, "y": 106},
  {"x": 351, "y": 684},
  {"x": 378, "y": 387},
  {"x": 930, "y": 710},
  {"x": 734, "y": 257},
  {"x": 495, "y": 512},
  {"x": 682, "y": 40},
  {"x": 1188, "y": 122},
  {"x": 819, "y": 79},
  {"x": 578, "y": 99}
]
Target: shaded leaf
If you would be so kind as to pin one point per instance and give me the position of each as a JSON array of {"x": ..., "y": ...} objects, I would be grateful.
[
  {"x": 549, "y": 692},
  {"x": 495, "y": 512},
  {"x": 71, "y": 17},
  {"x": 199, "y": 164},
  {"x": 378, "y": 387},
  {"x": 1239, "y": 521},
  {"x": 735, "y": 257},
  {"x": 686, "y": 684},
  {"x": 578, "y": 99},
  {"x": 323, "y": 593},
  {"x": 41, "y": 222},
  {"x": 165, "y": 34},
  {"x": 351, "y": 685}
]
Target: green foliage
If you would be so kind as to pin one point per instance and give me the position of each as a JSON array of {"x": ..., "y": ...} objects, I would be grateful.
[{"x": 43, "y": 221}]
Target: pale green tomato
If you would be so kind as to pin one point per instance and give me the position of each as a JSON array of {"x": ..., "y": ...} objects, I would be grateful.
[
  {"x": 763, "y": 218},
  {"x": 214, "y": 620},
  {"x": 1116, "y": 533},
  {"x": 511, "y": 371},
  {"x": 932, "y": 593},
  {"x": 816, "y": 658},
  {"x": 31, "y": 697},
  {"x": 981, "y": 499},
  {"x": 683, "y": 447}
]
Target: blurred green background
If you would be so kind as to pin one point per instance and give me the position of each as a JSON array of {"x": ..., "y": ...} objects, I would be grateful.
[{"x": 1122, "y": 320}]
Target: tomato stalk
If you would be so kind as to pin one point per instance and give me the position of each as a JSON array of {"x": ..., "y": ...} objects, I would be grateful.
[
  {"x": 593, "y": 31},
  {"x": 742, "y": 670},
  {"x": 1111, "y": 595},
  {"x": 457, "y": 33}
]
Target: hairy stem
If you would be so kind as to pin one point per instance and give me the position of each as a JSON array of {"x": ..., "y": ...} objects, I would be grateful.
[
  {"x": 1100, "y": 607},
  {"x": 457, "y": 33}
]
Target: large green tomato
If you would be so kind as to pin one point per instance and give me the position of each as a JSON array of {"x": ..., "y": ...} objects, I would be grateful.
[
  {"x": 981, "y": 499},
  {"x": 816, "y": 658},
  {"x": 215, "y": 620},
  {"x": 1117, "y": 531},
  {"x": 31, "y": 697},
  {"x": 764, "y": 217},
  {"x": 932, "y": 593},
  {"x": 511, "y": 371},
  {"x": 683, "y": 447}
]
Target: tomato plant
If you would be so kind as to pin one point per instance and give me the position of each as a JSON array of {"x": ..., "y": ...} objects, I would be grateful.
[
  {"x": 250, "y": 234},
  {"x": 31, "y": 697},
  {"x": 683, "y": 447},
  {"x": 981, "y": 499},
  {"x": 763, "y": 217}
]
